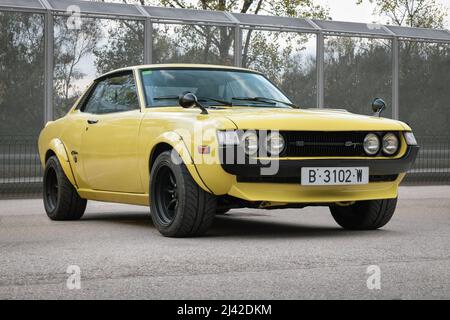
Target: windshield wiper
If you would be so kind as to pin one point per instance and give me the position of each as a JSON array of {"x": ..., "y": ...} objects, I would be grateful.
[
  {"x": 166, "y": 98},
  {"x": 201, "y": 99},
  {"x": 225, "y": 103},
  {"x": 266, "y": 100}
]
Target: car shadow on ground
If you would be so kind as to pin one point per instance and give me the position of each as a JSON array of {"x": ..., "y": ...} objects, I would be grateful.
[
  {"x": 244, "y": 225},
  {"x": 142, "y": 220},
  {"x": 229, "y": 226}
]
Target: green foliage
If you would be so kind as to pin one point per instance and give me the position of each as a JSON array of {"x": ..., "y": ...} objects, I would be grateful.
[
  {"x": 356, "y": 71},
  {"x": 283, "y": 62},
  {"x": 283, "y": 57},
  {"x": 21, "y": 73},
  {"x": 425, "y": 87},
  {"x": 424, "y": 67},
  {"x": 193, "y": 44},
  {"x": 124, "y": 45}
]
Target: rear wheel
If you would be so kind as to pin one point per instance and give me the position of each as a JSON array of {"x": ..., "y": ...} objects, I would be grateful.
[
  {"x": 365, "y": 215},
  {"x": 179, "y": 207},
  {"x": 61, "y": 199}
]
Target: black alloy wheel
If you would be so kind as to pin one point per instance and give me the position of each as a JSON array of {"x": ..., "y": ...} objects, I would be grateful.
[
  {"x": 166, "y": 195},
  {"x": 178, "y": 205}
]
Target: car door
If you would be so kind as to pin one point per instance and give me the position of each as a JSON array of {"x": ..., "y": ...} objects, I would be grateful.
[{"x": 109, "y": 154}]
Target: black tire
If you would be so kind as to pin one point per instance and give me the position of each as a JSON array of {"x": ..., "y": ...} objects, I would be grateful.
[
  {"x": 61, "y": 199},
  {"x": 179, "y": 207},
  {"x": 365, "y": 215},
  {"x": 221, "y": 212}
]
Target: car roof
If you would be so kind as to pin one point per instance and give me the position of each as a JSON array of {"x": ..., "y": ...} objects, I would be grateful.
[{"x": 177, "y": 65}]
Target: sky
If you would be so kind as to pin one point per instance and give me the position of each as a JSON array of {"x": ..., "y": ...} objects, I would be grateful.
[{"x": 347, "y": 10}]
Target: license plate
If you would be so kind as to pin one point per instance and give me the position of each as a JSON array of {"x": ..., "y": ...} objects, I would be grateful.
[{"x": 334, "y": 176}]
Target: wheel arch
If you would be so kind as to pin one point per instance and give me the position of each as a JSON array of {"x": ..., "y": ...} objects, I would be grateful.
[
  {"x": 173, "y": 141},
  {"x": 57, "y": 148}
]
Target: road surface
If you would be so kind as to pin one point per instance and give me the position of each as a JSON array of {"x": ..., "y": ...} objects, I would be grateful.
[{"x": 249, "y": 254}]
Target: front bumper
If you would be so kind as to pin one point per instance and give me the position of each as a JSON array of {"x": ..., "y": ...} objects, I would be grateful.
[
  {"x": 284, "y": 194},
  {"x": 285, "y": 187}
]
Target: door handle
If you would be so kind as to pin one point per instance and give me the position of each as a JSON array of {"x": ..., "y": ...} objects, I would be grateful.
[{"x": 92, "y": 121}]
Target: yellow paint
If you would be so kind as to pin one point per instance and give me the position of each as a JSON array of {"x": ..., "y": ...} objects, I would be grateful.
[
  {"x": 295, "y": 193},
  {"x": 116, "y": 197},
  {"x": 58, "y": 148},
  {"x": 114, "y": 155}
]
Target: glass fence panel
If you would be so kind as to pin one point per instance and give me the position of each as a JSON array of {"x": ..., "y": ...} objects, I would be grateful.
[
  {"x": 424, "y": 105},
  {"x": 22, "y": 73},
  {"x": 173, "y": 43},
  {"x": 287, "y": 58},
  {"x": 357, "y": 70},
  {"x": 88, "y": 48},
  {"x": 21, "y": 100}
]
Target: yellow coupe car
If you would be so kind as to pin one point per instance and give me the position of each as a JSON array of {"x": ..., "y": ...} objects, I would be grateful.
[{"x": 194, "y": 141}]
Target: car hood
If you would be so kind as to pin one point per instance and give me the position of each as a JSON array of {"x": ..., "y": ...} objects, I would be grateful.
[{"x": 307, "y": 119}]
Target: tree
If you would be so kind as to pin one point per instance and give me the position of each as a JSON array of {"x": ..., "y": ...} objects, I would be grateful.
[
  {"x": 356, "y": 71},
  {"x": 70, "y": 47},
  {"x": 122, "y": 44},
  {"x": 278, "y": 54},
  {"x": 21, "y": 73},
  {"x": 411, "y": 13},
  {"x": 424, "y": 67},
  {"x": 221, "y": 39}
]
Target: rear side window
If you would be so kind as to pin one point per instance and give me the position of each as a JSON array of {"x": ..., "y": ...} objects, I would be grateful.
[{"x": 115, "y": 94}]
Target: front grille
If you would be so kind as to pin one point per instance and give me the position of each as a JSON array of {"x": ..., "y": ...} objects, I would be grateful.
[{"x": 324, "y": 144}]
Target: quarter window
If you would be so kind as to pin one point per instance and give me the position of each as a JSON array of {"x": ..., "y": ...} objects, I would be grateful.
[{"x": 115, "y": 94}]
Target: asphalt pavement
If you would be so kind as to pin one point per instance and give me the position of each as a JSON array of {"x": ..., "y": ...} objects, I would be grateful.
[{"x": 248, "y": 254}]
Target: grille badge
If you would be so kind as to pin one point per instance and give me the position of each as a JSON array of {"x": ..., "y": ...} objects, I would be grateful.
[
  {"x": 325, "y": 144},
  {"x": 352, "y": 144}
]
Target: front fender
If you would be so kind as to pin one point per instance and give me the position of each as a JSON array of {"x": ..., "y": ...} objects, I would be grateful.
[
  {"x": 58, "y": 148},
  {"x": 178, "y": 144}
]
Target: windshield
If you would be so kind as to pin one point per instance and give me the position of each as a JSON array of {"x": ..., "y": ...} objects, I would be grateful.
[{"x": 212, "y": 87}]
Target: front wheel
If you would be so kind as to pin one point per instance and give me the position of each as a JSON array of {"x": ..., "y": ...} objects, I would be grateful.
[
  {"x": 179, "y": 207},
  {"x": 365, "y": 215},
  {"x": 61, "y": 199}
]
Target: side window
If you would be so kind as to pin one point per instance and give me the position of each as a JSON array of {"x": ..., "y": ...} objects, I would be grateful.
[
  {"x": 115, "y": 94},
  {"x": 93, "y": 102}
]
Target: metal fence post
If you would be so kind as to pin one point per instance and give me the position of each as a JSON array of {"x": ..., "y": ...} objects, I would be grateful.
[
  {"x": 148, "y": 35},
  {"x": 48, "y": 65},
  {"x": 148, "y": 42},
  {"x": 238, "y": 46},
  {"x": 320, "y": 65},
  {"x": 395, "y": 78},
  {"x": 237, "y": 39}
]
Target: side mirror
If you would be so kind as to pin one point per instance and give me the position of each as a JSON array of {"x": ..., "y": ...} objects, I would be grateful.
[
  {"x": 378, "y": 106},
  {"x": 189, "y": 100}
]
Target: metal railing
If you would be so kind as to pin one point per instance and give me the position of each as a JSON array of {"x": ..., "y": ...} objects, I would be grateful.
[
  {"x": 20, "y": 168},
  {"x": 433, "y": 162},
  {"x": 21, "y": 171}
]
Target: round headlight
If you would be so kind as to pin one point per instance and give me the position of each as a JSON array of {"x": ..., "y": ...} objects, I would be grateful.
[
  {"x": 371, "y": 144},
  {"x": 275, "y": 143},
  {"x": 250, "y": 143},
  {"x": 390, "y": 144}
]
